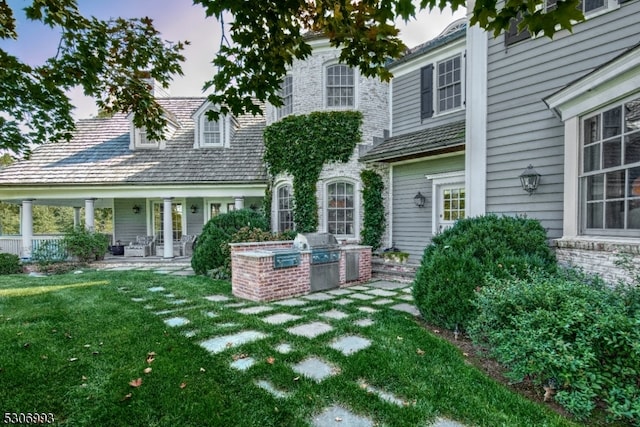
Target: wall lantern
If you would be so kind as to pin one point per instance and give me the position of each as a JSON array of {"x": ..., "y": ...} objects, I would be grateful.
[
  {"x": 194, "y": 209},
  {"x": 419, "y": 200},
  {"x": 530, "y": 179},
  {"x": 136, "y": 209}
]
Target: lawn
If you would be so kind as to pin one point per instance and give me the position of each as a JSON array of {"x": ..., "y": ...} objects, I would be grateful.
[{"x": 90, "y": 349}]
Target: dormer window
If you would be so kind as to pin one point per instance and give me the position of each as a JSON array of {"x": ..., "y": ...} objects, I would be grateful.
[
  {"x": 138, "y": 138},
  {"x": 216, "y": 133}
]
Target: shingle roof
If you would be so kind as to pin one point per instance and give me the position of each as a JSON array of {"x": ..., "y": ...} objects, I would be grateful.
[
  {"x": 99, "y": 154},
  {"x": 430, "y": 45},
  {"x": 448, "y": 137}
]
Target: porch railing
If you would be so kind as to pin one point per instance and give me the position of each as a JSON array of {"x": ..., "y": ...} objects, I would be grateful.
[{"x": 13, "y": 244}]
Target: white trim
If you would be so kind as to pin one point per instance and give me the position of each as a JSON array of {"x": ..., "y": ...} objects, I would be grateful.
[
  {"x": 390, "y": 224},
  {"x": 476, "y": 122},
  {"x": 275, "y": 226},
  {"x": 356, "y": 86},
  {"x": 437, "y": 181},
  {"x": 356, "y": 206},
  {"x": 613, "y": 81},
  {"x": 438, "y": 54},
  {"x": 463, "y": 79},
  {"x": 571, "y": 202}
]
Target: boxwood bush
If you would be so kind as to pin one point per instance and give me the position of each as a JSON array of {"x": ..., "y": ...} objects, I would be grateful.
[
  {"x": 10, "y": 264},
  {"x": 456, "y": 263},
  {"x": 209, "y": 249},
  {"x": 569, "y": 332}
]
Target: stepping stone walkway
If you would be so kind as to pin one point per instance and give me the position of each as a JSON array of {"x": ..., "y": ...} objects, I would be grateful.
[{"x": 312, "y": 320}]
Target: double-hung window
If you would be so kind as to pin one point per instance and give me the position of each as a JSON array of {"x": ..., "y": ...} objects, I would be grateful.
[
  {"x": 211, "y": 132},
  {"x": 285, "y": 208},
  {"x": 340, "y": 87},
  {"x": 286, "y": 93},
  {"x": 341, "y": 208},
  {"x": 610, "y": 178},
  {"x": 446, "y": 78}
]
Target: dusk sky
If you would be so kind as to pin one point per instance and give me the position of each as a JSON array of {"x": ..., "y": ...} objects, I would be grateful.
[{"x": 176, "y": 20}]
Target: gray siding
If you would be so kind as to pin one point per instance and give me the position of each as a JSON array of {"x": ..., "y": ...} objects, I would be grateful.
[
  {"x": 406, "y": 106},
  {"x": 412, "y": 226},
  {"x": 128, "y": 225},
  {"x": 520, "y": 127},
  {"x": 195, "y": 221}
]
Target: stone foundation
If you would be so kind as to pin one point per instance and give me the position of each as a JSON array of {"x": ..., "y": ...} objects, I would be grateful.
[
  {"x": 254, "y": 277},
  {"x": 599, "y": 256}
]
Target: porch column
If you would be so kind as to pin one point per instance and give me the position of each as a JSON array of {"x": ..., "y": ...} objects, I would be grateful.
[
  {"x": 89, "y": 221},
  {"x": 239, "y": 203},
  {"x": 26, "y": 225},
  {"x": 167, "y": 235},
  {"x": 76, "y": 216}
]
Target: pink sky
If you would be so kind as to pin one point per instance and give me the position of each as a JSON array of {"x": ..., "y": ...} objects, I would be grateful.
[{"x": 176, "y": 20}]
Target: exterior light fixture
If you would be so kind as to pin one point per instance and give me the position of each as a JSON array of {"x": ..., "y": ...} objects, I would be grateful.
[
  {"x": 530, "y": 179},
  {"x": 419, "y": 200},
  {"x": 136, "y": 209},
  {"x": 194, "y": 209}
]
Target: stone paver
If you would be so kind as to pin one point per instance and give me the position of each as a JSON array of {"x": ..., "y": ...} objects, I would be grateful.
[
  {"x": 320, "y": 296},
  {"x": 444, "y": 422},
  {"x": 367, "y": 309},
  {"x": 359, "y": 288},
  {"x": 256, "y": 309},
  {"x": 406, "y": 297},
  {"x": 384, "y": 395},
  {"x": 284, "y": 348},
  {"x": 176, "y": 321},
  {"x": 337, "y": 416},
  {"x": 220, "y": 344},
  {"x": 294, "y": 302},
  {"x": 310, "y": 330},
  {"x": 315, "y": 368},
  {"x": 190, "y": 334},
  {"x": 382, "y": 301},
  {"x": 138, "y": 299},
  {"x": 343, "y": 301},
  {"x": 236, "y": 305},
  {"x": 350, "y": 344},
  {"x": 339, "y": 292},
  {"x": 169, "y": 296},
  {"x": 407, "y": 308},
  {"x": 280, "y": 318},
  {"x": 362, "y": 297},
  {"x": 243, "y": 363},
  {"x": 364, "y": 322},
  {"x": 178, "y": 301},
  {"x": 217, "y": 298},
  {"x": 385, "y": 284},
  {"x": 334, "y": 314},
  {"x": 156, "y": 289},
  {"x": 382, "y": 293},
  {"x": 269, "y": 387}
]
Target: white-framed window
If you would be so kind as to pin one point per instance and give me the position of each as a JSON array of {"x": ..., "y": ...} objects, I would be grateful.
[
  {"x": 286, "y": 93},
  {"x": 588, "y": 7},
  {"x": 211, "y": 133},
  {"x": 341, "y": 208},
  {"x": 340, "y": 86},
  {"x": 284, "y": 207},
  {"x": 610, "y": 169},
  {"x": 140, "y": 139},
  {"x": 177, "y": 220},
  {"x": 449, "y": 84}
]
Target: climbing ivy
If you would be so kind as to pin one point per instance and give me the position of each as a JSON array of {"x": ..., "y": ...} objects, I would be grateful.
[
  {"x": 374, "y": 220},
  {"x": 300, "y": 145}
]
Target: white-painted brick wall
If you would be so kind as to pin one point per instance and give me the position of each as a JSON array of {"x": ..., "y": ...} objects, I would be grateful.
[{"x": 309, "y": 96}]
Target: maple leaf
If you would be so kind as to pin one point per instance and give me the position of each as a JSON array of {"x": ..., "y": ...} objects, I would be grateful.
[
  {"x": 270, "y": 360},
  {"x": 136, "y": 383},
  {"x": 151, "y": 356}
]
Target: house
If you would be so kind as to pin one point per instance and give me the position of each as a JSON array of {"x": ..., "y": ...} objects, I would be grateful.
[
  {"x": 425, "y": 149},
  {"x": 164, "y": 189},
  {"x": 321, "y": 83},
  {"x": 570, "y": 107}
]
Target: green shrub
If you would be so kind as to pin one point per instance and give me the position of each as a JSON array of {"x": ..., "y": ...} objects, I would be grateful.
[
  {"x": 10, "y": 264},
  {"x": 567, "y": 330},
  {"x": 48, "y": 252},
  {"x": 373, "y": 225},
  {"x": 86, "y": 245},
  {"x": 456, "y": 262},
  {"x": 208, "y": 251}
]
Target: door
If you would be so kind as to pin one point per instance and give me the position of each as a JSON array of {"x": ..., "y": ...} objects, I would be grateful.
[{"x": 451, "y": 205}]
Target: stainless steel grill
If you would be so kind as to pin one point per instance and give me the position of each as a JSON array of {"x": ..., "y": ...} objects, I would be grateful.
[{"x": 325, "y": 259}]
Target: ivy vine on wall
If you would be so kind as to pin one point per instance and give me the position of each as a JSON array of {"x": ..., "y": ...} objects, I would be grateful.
[
  {"x": 300, "y": 145},
  {"x": 374, "y": 220}
]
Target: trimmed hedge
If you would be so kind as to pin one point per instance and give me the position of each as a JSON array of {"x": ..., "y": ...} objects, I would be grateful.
[
  {"x": 456, "y": 263},
  {"x": 209, "y": 251}
]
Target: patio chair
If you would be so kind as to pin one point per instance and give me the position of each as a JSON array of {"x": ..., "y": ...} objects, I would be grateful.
[
  {"x": 143, "y": 246},
  {"x": 186, "y": 244}
]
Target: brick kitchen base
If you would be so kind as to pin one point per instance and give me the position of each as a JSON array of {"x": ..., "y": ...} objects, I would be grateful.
[{"x": 254, "y": 277}]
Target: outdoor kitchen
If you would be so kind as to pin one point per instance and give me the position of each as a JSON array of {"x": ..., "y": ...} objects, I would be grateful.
[{"x": 267, "y": 271}]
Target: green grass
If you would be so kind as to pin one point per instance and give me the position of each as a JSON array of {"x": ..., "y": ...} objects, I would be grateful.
[{"x": 72, "y": 343}]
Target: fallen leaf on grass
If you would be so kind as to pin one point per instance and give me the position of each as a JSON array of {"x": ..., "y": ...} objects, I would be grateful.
[
  {"x": 151, "y": 356},
  {"x": 126, "y": 397},
  {"x": 87, "y": 346},
  {"x": 27, "y": 345},
  {"x": 203, "y": 370},
  {"x": 73, "y": 359},
  {"x": 229, "y": 344},
  {"x": 548, "y": 393},
  {"x": 239, "y": 356},
  {"x": 136, "y": 383},
  {"x": 270, "y": 360},
  {"x": 338, "y": 419},
  {"x": 183, "y": 385},
  {"x": 84, "y": 378},
  {"x": 420, "y": 352},
  {"x": 436, "y": 331},
  {"x": 296, "y": 378},
  {"x": 147, "y": 370},
  {"x": 399, "y": 338}
]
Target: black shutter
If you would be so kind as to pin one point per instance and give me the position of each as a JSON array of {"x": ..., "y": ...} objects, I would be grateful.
[
  {"x": 426, "y": 91},
  {"x": 512, "y": 35}
]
